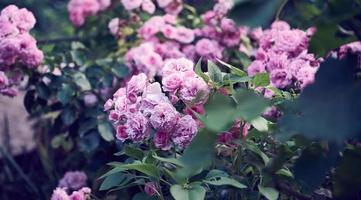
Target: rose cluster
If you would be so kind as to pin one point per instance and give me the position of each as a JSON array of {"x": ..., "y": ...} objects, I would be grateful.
[
  {"x": 16, "y": 46},
  {"x": 169, "y": 6},
  {"x": 283, "y": 54},
  {"x": 353, "y": 47},
  {"x": 164, "y": 38},
  {"x": 75, "y": 182},
  {"x": 79, "y": 10},
  {"x": 141, "y": 110},
  {"x": 62, "y": 194}
]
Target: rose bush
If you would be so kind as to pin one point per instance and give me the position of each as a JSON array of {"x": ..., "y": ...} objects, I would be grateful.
[{"x": 172, "y": 99}]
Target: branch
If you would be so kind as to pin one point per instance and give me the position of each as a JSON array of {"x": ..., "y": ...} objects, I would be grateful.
[
  {"x": 284, "y": 188},
  {"x": 57, "y": 40}
]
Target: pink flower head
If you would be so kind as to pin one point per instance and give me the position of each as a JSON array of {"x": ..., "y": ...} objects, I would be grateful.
[
  {"x": 137, "y": 127},
  {"x": 104, "y": 4},
  {"x": 136, "y": 86},
  {"x": 150, "y": 188},
  {"x": 280, "y": 26},
  {"x": 131, "y": 4},
  {"x": 108, "y": 104},
  {"x": 122, "y": 134},
  {"x": 114, "y": 26},
  {"x": 255, "y": 68},
  {"x": 184, "y": 131},
  {"x": 177, "y": 66},
  {"x": 148, "y": 6},
  {"x": 82, "y": 194},
  {"x": 184, "y": 35},
  {"x": 3, "y": 80},
  {"x": 169, "y": 31},
  {"x": 174, "y": 8},
  {"x": 164, "y": 117},
  {"x": 90, "y": 99},
  {"x": 151, "y": 27},
  {"x": 209, "y": 49},
  {"x": 194, "y": 90},
  {"x": 23, "y": 19},
  {"x": 306, "y": 76},
  {"x": 172, "y": 83},
  {"x": 80, "y": 9},
  {"x": 162, "y": 141},
  {"x": 59, "y": 194},
  {"x": 280, "y": 78},
  {"x": 163, "y": 3},
  {"x": 73, "y": 180}
]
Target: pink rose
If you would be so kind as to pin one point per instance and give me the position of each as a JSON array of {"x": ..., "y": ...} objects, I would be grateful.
[
  {"x": 162, "y": 141},
  {"x": 131, "y": 4},
  {"x": 172, "y": 82}
]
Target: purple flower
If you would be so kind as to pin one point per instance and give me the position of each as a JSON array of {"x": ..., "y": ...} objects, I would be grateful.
[
  {"x": 162, "y": 141},
  {"x": 281, "y": 78},
  {"x": 150, "y": 188},
  {"x": 73, "y": 180},
  {"x": 137, "y": 126},
  {"x": 164, "y": 117},
  {"x": 184, "y": 131}
]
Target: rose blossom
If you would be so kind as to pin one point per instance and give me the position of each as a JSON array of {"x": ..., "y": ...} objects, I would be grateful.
[
  {"x": 184, "y": 131},
  {"x": 162, "y": 141},
  {"x": 164, "y": 117}
]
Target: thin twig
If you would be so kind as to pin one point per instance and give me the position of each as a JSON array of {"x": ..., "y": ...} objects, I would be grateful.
[
  {"x": 57, "y": 40},
  {"x": 280, "y": 9}
]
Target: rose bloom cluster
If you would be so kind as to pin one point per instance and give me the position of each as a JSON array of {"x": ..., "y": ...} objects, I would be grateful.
[
  {"x": 283, "y": 54},
  {"x": 353, "y": 47},
  {"x": 164, "y": 38},
  {"x": 169, "y": 6},
  {"x": 74, "y": 181},
  {"x": 62, "y": 194},
  {"x": 16, "y": 46},
  {"x": 141, "y": 110},
  {"x": 79, "y": 10}
]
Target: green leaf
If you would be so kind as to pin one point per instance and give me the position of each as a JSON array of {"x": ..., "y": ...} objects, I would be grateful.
[
  {"x": 43, "y": 90},
  {"x": 214, "y": 72},
  {"x": 145, "y": 168},
  {"x": 260, "y": 123},
  {"x": 68, "y": 115},
  {"x": 285, "y": 172},
  {"x": 268, "y": 192},
  {"x": 78, "y": 56},
  {"x": 250, "y": 105},
  {"x": 113, "y": 180},
  {"x": 255, "y": 149},
  {"x": 218, "y": 178},
  {"x": 255, "y": 13},
  {"x": 201, "y": 150},
  {"x": 64, "y": 95},
  {"x": 261, "y": 80},
  {"x": 133, "y": 152},
  {"x": 169, "y": 160},
  {"x": 199, "y": 72},
  {"x": 234, "y": 70},
  {"x": 106, "y": 130},
  {"x": 194, "y": 192},
  {"x": 81, "y": 80}
]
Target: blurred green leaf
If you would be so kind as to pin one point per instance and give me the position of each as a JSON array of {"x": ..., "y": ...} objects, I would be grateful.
[
  {"x": 81, "y": 80},
  {"x": 268, "y": 192},
  {"x": 222, "y": 179},
  {"x": 106, "y": 130},
  {"x": 194, "y": 192}
]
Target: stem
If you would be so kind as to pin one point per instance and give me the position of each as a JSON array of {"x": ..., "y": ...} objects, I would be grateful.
[
  {"x": 57, "y": 40},
  {"x": 284, "y": 188},
  {"x": 284, "y": 2}
]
